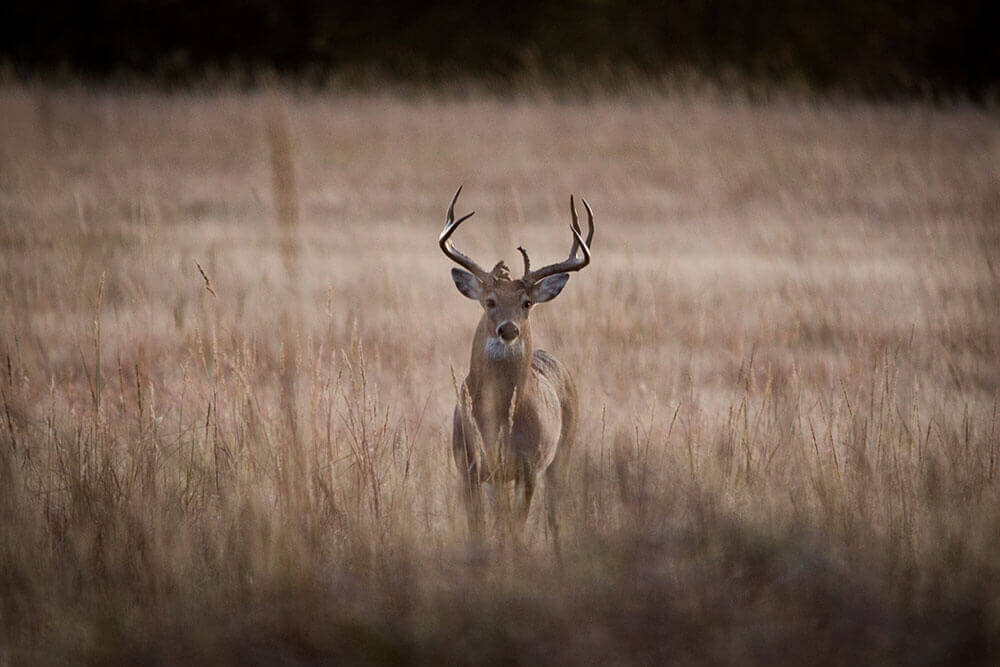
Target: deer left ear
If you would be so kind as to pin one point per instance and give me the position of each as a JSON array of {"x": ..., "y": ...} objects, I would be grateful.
[
  {"x": 467, "y": 284},
  {"x": 548, "y": 288}
]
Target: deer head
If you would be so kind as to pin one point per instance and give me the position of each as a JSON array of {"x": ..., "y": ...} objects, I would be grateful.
[{"x": 507, "y": 302}]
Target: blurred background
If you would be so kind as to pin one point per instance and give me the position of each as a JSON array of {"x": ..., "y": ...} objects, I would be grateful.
[
  {"x": 877, "y": 49},
  {"x": 230, "y": 348}
]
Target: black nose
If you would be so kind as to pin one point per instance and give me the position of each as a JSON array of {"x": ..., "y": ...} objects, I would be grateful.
[{"x": 508, "y": 331}]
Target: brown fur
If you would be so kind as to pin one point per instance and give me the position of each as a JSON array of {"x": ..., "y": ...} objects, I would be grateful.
[{"x": 517, "y": 414}]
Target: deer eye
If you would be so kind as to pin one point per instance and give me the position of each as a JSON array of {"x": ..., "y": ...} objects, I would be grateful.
[
  {"x": 491, "y": 303},
  {"x": 526, "y": 304}
]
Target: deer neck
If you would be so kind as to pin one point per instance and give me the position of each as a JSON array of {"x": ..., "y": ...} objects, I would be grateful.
[{"x": 493, "y": 379}]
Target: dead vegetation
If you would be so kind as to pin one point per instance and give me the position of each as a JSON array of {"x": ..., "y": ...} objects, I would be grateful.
[{"x": 227, "y": 348}]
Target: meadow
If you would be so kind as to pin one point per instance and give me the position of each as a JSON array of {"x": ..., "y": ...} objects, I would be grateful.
[{"x": 229, "y": 348}]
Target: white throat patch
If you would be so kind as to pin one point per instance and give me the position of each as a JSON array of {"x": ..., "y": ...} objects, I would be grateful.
[{"x": 497, "y": 349}]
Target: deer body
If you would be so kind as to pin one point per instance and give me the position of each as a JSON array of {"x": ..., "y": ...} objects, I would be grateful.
[
  {"x": 517, "y": 409},
  {"x": 524, "y": 409}
]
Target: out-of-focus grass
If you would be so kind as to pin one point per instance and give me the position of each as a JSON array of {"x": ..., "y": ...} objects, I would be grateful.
[{"x": 786, "y": 347}]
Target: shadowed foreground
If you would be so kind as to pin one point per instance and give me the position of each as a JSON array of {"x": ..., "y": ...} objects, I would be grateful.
[{"x": 229, "y": 342}]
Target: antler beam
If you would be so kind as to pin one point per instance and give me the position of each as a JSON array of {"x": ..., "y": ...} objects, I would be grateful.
[
  {"x": 448, "y": 247},
  {"x": 573, "y": 263}
]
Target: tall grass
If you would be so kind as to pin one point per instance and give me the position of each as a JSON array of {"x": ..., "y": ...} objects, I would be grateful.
[{"x": 228, "y": 342}]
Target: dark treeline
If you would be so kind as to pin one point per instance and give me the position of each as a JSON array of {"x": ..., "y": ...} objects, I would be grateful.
[{"x": 875, "y": 48}]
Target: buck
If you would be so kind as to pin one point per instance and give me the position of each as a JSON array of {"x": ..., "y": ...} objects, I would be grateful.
[{"x": 517, "y": 409}]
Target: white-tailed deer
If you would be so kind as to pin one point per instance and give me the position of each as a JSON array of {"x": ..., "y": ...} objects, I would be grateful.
[{"x": 517, "y": 409}]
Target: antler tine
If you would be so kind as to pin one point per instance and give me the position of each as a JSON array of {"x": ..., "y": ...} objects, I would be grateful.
[
  {"x": 451, "y": 207},
  {"x": 578, "y": 241},
  {"x": 527, "y": 262},
  {"x": 572, "y": 263},
  {"x": 590, "y": 222},
  {"x": 448, "y": 247},
  {"x": 576, "y": 224}
]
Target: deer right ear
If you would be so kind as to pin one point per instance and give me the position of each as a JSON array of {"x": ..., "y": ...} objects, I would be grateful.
[{"x": 467, "y": 284}]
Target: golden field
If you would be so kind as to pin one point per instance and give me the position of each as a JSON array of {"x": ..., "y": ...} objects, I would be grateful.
[{"x": 229, "y": 343}]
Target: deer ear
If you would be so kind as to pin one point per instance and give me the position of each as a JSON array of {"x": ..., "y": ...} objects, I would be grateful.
[
  {"x": 467, "y": 284},
  {"x": 548, "y": 288}
]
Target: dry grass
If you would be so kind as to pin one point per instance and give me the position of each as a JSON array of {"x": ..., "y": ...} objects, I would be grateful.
[{"x": 227, "y": 346}]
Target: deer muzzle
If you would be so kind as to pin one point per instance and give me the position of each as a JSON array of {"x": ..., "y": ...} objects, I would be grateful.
[{"x": 508, "y": 331}]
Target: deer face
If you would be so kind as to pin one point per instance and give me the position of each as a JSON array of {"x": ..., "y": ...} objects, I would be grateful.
[{"x": 507, "y": 303}]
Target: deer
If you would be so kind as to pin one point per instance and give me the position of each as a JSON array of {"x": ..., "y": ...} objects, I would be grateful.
[{"x": 516, "y": 413}]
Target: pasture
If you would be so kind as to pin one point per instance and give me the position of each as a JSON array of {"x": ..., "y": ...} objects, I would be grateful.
[{"x": 230, "y": 347}]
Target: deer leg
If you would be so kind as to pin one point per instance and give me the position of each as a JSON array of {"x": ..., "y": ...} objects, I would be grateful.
[
  {"x": 466, "y": 444},
  {"x": 472, "y": 494},
  {"x": 528, "y": 479},
  {"x": 551, "y": 498}
]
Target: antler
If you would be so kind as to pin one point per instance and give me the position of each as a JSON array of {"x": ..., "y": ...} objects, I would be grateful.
[
  {"x": 448, "y": 247},
  {"x": 572, "y": 263},
  {"x": 527, "y": 262}
]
